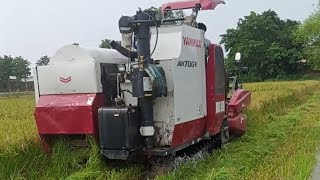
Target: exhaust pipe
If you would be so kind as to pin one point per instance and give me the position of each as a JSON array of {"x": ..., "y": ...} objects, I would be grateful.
[{"x": 141, "y": 82}]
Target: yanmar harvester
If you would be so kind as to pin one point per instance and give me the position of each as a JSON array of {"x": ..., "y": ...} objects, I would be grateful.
[{"x": 162, "y": 89}]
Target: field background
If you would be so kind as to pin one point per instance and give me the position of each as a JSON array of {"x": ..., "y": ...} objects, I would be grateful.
[{"x": 281, "y": 143}]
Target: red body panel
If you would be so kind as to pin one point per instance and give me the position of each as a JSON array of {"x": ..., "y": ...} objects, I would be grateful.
[
  {"x": 188, "y": 131},
  {"x": 236, "y": 119},
  {"x": 68, "y": 114},
  {"x": 217, "y": 121},
  {"x": 214, "y": 120},
  {"x": 240, "y": 100},
  {"x": 238, "y": 125}
]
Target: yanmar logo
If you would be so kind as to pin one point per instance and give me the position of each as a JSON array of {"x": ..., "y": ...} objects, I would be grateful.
[
  {"x": 65, "y": 80},
  {"x": 192, "y": 42}
]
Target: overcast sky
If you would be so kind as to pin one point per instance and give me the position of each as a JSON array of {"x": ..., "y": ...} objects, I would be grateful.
[{"x": 33, "y": 28}]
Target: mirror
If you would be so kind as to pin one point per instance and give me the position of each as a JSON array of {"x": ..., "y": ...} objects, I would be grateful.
[{"x": 238, "y": 57}]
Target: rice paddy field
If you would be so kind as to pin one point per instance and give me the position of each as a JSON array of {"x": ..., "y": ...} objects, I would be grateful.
[{"x": 281, "y": 142}]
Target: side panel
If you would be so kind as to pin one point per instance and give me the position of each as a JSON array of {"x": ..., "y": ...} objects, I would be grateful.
[
  {"x": 220, "y": 89},
  {"x": 69, "y": 78},
  {"x": 189, "y": 77},
  {"x": 190, "y": 88},
  {"x": 68, "y": 114},
  {"x": 188, "y": 131},
  {"x": 215, "y": 90}
]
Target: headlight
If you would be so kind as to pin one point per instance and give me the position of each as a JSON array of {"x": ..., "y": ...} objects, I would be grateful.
[{"x": 121, "y": 67}]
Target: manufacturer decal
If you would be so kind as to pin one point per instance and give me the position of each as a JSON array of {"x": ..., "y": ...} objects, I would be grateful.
[
  {"x": 187, "y": 63},
  {"x": 65, "y": 80},
  {"x": 192, "y": 42}
]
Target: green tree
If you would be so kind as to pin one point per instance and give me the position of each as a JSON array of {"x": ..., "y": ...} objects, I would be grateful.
[
  {"x": 267, "y": 45},
  {"x": 105, "y": 44},
  {"x": 21, "y": 68},
  {"x": 309, "y": 32},
  {"x": 43, "y": 61},
  {"x": 169, "y": 15},
  {"x": 6, "y": 67},
  {"x": 17, "y": 68}
]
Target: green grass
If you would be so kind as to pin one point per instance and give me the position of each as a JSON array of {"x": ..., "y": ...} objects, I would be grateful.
[{"x": 281, "y": 143}]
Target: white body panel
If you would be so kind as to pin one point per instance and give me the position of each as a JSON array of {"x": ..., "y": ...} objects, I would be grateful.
[
  {"x": 127, "y": 97},
  {"x": 189, "y": 78},
  {"x": 75, "y": 70},
  {"x": 77, "y": 54},
  {"x": 186, "y": 100},
  {"x": 169, "y": 42},
  {"x": 163, "y": 109},
  {"x": 80, "y": 78}
]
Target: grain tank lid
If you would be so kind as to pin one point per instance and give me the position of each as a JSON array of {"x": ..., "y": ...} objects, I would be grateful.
[{"x": 76, "y": 54}]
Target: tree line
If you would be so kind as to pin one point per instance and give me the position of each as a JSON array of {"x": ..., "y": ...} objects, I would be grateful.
[
  {"x": 271, "y": 47},
  {"x": 267, "y": 45},
  {"x": 274, "y": 48},
  {"x": 13, "y": 69}
]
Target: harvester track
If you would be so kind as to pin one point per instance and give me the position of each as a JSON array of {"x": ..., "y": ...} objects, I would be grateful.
[{"x": 161, "y": 165}]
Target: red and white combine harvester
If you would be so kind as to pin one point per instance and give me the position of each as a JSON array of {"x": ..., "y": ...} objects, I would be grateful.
[{"x": 161, "y": 90}]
